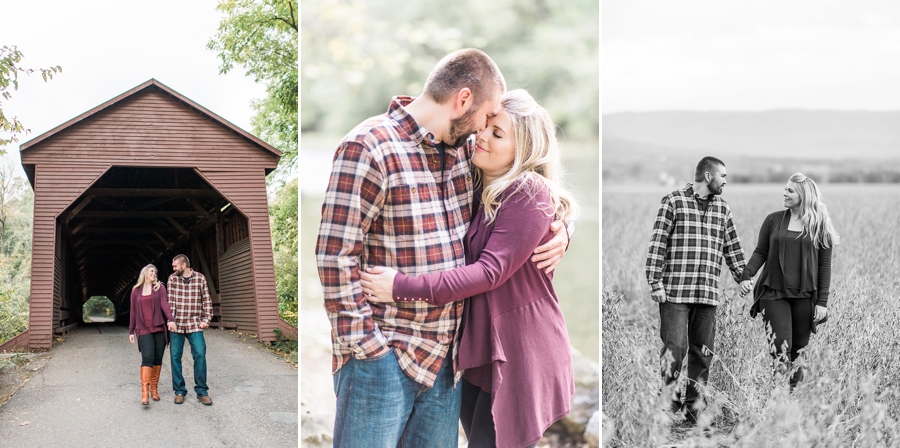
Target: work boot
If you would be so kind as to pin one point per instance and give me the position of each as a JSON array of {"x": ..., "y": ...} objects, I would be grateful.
[
  {"x": 205, "y": 399},
  {"x": 154, "y": 382},
  {"x": 179, "y": 398},
  {"x": 145, "y": 385}
]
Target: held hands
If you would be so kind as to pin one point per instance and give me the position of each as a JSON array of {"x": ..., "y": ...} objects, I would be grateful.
[
  {"x": 659, "y": 296},
  {"x": 549, "y": 255},
  {"x": 172, "y": 326},
  {"x": 378, "y": 284},
  {"x": 746, "y": 286},
  {"x": 821, "y": 312}
]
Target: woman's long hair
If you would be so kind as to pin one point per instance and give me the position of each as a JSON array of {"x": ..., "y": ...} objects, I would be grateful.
[
  {"x": 813, "y": 213},
  {"x": 142, "y": 278},
  {"x": 536, "y": 157}
]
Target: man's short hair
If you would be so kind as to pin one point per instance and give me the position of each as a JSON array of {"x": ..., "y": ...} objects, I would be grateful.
[
  {"x": 470, "y": 68},
  {"x": 708, "y": 163},
  {"x": 183, "y": 258}
]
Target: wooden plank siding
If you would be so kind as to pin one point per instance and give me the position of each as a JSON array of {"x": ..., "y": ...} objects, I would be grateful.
[
  {"x": 246, "y": 191},
  {"x": 56, "y": 187},
  {"x": 15, "y": 344},
  {"x": 238, "y": 299},
  {"x": 149, "y": 126},
  {"x": 151, "y": 129}
]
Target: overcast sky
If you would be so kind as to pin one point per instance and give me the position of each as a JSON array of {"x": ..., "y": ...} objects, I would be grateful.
[
  {"x": 107, "y": 47},
  {"x": 750, "y": 55}
]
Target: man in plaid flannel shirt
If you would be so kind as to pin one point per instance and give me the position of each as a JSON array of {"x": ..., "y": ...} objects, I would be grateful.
[
  {"x": 192, "y": 309},
  {"x": 400, "y": 195},
  {"x": 694, "y": 229}
]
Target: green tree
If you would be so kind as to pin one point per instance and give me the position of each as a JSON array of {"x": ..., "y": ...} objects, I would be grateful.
[
  {"x": 284, "y": 220},
  {"x": 96, "y": 306},
  {"x": 15, "y": 259},
  {"x": 261, "y": 36},
  {"x": 357, "y": 54},
  {"x": 10, "y": 57}
]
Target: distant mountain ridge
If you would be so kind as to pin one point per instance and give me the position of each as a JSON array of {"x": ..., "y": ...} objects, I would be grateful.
[{"x": 798, "y": 134}]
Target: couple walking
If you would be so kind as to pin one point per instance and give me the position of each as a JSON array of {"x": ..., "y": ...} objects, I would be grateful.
[
  {"x": 160, "y": 315},
  {"x": 693, "y": 231},
  {"x": 419, "y": 216}
]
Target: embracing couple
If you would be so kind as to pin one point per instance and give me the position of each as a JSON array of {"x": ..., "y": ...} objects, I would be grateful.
[
  {"x": 693, "y": 231},
  {"x": 436, "y": 252}
]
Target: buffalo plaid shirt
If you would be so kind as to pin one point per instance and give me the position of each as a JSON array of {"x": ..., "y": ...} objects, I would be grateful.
[
  {"x": 687, "y": 245},
  {"x": 390, "y": 203},
  {"x": 190, "y": 302}
]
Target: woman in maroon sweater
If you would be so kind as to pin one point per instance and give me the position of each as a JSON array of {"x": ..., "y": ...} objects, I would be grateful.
[
  {"x": 794, "y": 249},
  {"x": 513, "y": 347},
  {"x": 150, "y": 317}
]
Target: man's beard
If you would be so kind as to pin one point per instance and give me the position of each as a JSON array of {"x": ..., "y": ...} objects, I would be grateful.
[
  {"x": 715, "y": 189},
  {"x": 461, "y": 128}
]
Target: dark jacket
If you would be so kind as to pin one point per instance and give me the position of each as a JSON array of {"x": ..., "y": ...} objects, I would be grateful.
[{"x": 815, "y": 267}]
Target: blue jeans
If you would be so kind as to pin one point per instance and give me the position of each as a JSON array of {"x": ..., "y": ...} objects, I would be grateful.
[
  {"x": 379, "y": 406},
  {"x": 198, "y": 351},
  {"x": 685, "y": 328}
]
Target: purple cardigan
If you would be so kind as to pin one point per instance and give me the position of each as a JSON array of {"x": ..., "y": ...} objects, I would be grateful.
[
  {"x": 161, "y": 317},
  {"x": 513, "y": 332}
]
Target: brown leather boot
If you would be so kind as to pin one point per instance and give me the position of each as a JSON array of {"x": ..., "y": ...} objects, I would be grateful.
[
  {"x": 154, "y": 382},
  {"x": 145, "y": 385}
]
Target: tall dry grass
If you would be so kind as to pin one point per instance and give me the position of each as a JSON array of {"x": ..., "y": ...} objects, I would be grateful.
[{"x": 850, "y": 397}]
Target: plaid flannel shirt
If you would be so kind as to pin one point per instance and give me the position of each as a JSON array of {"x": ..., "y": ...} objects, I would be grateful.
[
  {"x": 190, "y": 302},
  {"x": 384, "y": 206},
  {"x": 687, "y": 246}
]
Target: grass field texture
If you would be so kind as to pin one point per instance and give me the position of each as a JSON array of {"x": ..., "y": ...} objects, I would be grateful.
[{"x": 850, "y": 397}]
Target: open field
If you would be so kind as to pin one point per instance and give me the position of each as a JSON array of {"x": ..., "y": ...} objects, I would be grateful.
[{"x": 850, "y": 396}]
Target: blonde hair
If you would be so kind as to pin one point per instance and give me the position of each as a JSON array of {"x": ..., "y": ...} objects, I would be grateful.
[
  {"x": 536, "y": 158},
  {"x": 143, "y": 276},
  {"x": 813, "y": 213}
]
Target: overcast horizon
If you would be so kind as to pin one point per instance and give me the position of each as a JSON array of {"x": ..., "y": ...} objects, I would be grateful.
[
  {"x": 106, "y": 48},
  {"x": 782, "y": 109},
  {"x": 704, "y": 55}
]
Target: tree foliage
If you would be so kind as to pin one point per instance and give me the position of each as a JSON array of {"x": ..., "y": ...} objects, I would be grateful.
[
  {"x": 97, "y": 305},
  {"x": 15, "y": 257},
  {"x": 261, "y": 37},
  {"x": 358, "y": 54},
  {"x": 284, "y": 221},
  {"x": 10, "y": 58}
]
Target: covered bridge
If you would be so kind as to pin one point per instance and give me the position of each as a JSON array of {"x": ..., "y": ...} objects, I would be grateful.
[{"x": 138, "y": 179}]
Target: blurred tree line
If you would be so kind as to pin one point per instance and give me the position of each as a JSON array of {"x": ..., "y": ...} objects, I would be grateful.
[
  {"x": 16, "y": 206},
  {"x": 97, "y": 306},
  {"x": 285, "y": 221},
  {"x": 358, "y": 54}
]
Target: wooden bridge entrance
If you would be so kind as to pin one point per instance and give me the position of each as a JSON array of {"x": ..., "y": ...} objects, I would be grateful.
[{"x": 138, "y": 179}]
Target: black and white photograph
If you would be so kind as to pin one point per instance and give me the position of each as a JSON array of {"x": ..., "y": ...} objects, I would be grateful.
[{"x": 750, "y": 188}]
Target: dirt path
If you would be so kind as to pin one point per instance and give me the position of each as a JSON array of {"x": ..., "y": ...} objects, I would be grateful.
[{"x": 87, "y": 393}]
